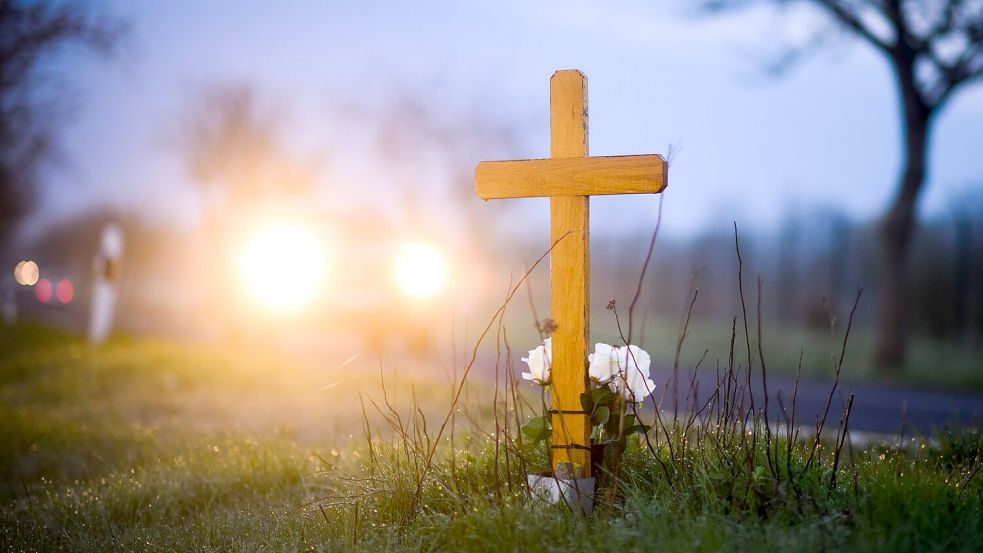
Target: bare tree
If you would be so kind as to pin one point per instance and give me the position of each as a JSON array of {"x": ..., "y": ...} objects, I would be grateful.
[
  {"x": 232, "y": 145},
  {"x": 432, "y": 148},
  {"x": 30, "y": 34},
  {"x": 934, "y": 48}
]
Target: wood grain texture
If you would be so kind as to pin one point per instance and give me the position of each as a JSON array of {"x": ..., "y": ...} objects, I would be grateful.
[
  {"x": 585, "y": 176},
  {"x": 569, "y": 263}
]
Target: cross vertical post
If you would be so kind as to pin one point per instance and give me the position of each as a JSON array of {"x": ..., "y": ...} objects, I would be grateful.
[{"x": 569, "y": 280}]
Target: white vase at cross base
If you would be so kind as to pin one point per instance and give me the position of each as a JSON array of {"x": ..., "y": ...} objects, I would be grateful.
[{"x": 577, "y": 493}]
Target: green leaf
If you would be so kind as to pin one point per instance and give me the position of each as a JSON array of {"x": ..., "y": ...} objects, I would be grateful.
[
  {"x": 614, "y": 423},
  {"x": 538, "y": 428},
  {"x": 587, "y": 403},
  {"x": 602, "y": 395},
  {"x": 601, "y": 416},
  {"x": 629, "y": 421},
  {"x": 638, "y": 429}
]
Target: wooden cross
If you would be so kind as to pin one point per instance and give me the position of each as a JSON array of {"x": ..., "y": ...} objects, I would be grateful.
[{"x": 568, "y": 178}]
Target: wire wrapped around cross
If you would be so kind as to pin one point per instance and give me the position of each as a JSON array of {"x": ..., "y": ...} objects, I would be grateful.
[{"x": 569, "y": 412}]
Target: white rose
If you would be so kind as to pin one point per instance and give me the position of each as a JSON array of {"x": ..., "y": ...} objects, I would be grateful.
[
  {"x": 603, "y": 363},
  {"x": 539, "y": 362},
  {"x": 633, "y": 373}
]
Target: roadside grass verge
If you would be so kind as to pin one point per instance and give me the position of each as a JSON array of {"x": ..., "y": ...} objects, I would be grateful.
[{"x": 146, "y": 445}]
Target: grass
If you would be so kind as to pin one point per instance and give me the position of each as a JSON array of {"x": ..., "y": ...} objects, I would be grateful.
[{"x": 146, "y": 445}]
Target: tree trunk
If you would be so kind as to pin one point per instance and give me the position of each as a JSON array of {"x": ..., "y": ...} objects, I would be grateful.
[{"x": 898, "y": 229}]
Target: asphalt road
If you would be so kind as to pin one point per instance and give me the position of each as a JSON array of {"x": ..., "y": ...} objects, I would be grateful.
[{"x": 876, "y": 408}]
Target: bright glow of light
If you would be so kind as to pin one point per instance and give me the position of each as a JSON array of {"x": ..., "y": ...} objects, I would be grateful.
[
  {"x": 43, "y": 290},
  {"x": 421, "y": 271},
  {"x": 26, "y": 273},
  {"x": 282, "y": 267},
  {"x": 65, "y": 290}
]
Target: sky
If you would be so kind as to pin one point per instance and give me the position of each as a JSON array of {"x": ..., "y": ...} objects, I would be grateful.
[{"x": 748, "y": 146}]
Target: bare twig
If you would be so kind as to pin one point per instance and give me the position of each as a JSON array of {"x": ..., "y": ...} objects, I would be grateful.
[
  {"x": 836, "y": 379},
  {"x": 840, "y": 439},
  {"x": 645, "y": 265}
]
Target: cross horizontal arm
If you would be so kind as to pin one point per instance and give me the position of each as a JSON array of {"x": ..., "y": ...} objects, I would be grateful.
[{"x": 575, "y": 176}]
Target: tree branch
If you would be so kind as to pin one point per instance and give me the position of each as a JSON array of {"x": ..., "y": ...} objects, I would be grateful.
[
  {"x": 967, "y": 68},
  {"x": 842, "y": 13},
  {"x": 946, "y": 22}
]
